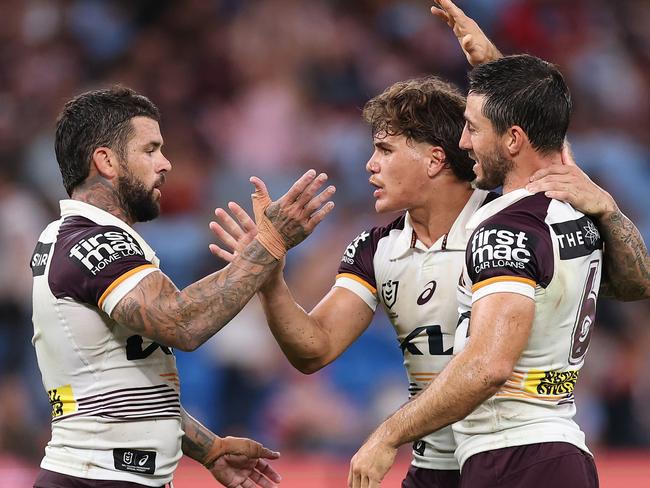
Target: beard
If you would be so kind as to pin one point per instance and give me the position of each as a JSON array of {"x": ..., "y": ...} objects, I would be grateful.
[
  {"x": 494, "y": 169},
  {"x": 137, "y": 201}
]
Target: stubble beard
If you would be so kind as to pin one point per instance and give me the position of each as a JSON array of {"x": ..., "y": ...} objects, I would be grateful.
[{"x": 494, "y": 168}]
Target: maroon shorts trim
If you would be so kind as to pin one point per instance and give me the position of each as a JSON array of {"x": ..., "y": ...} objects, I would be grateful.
[
  {"x": 431, "y": 478},
  {"x": 548, "y": 464},
  {"x": 50, "y": 479}
]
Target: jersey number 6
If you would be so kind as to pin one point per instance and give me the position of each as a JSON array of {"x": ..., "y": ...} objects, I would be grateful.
[{"x": 584, "y": 325}]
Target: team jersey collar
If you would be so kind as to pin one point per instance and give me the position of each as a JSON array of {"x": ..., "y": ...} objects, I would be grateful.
[
  {"x": 458, "y": 235},
  {"x": 71, "y": 208},
  {"x": 495, "y": 206},
  {"x": 455, "y": 240},
  {"x": 406, "y": 240}
]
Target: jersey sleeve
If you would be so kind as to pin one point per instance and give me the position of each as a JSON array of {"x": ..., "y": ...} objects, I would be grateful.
[
  {"x": 510, "y": 252},
  {"x": 96, "y": 265},
  {"x": 356, "y": 271}
]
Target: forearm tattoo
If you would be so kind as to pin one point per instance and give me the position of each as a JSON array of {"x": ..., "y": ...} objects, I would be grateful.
[
  {"x": 626, "y": 262},
  {"x": 197, "y": 440},
  {"x": 186, "y": 319}
]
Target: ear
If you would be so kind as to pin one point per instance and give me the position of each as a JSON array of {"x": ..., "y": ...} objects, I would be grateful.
[
  {"x": 515, "y": 140},
  {"x": 105, "y": 162},
  {"x": 437, "y": 161}
]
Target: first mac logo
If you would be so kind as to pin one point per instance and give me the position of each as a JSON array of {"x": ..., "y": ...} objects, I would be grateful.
[
  {"x": 498, "y": 247},
  {"x": 96, "y": 252}
]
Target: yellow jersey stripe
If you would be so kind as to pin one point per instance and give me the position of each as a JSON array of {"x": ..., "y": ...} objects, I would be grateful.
[
  {"x": 121, "y": 279},
  {"x": 498, "y": 279},
  {"x": 354, "y": 277}
]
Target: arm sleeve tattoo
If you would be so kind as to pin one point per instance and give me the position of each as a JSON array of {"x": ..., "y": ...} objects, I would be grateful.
[
  {"x": 186, "y": 319},
  {"x": 197, "y": 440},
  {"x": 627, "y": 265}
]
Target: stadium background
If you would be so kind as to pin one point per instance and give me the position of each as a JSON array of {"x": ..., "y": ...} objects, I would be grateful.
[{"x": 271, "y": 88}]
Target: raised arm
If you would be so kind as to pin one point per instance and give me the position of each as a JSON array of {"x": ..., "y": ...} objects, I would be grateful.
[
  {"x": 626, "y": 262},
  {"x": 311, "y": 340},
  {"x": 501, "y": 326},
  {"x": 233, "y": 461},
  {"x": 476, "y": 46},
  {"x": 185, "y": 319}
]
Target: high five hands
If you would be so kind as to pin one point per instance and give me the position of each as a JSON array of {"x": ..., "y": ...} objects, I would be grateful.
[{"x": 279, "y": 225}]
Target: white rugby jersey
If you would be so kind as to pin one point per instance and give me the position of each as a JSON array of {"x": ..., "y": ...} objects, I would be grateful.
[
  {"x": 417, "y": 287},
  {"x": 548, "y": 251},
  {"x": 114, "y": 395}
]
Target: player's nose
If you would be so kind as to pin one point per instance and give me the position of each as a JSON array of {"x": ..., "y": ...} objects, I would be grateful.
[
  {"x": 465, "y": 142},
  {"x": 164, "y": 164},
  {"x": 372, "y": 166}
]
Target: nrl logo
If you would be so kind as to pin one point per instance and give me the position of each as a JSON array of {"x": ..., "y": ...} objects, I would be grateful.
[{"x": 389, "y": 292}]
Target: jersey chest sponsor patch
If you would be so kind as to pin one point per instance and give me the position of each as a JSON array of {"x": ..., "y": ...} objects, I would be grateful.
[
  {"x": 577, "y": 238},
  {"x": 96, "y": 252},
  {"x": 498, "y": 246}
]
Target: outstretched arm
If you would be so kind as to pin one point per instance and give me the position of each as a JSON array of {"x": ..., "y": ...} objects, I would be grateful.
[
  {"x": 501, "y": 325},
  {"x": 233, "y": 461},
  {"x": 311, "y": 340},
  {"x": 626, "y": 261},
  {"x": 185, "y": 319},
  {"x": 476, "y": 46}
]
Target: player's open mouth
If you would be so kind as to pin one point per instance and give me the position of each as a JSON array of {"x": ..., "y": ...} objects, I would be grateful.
[
  {"x": 378, "y": 190},
  {"x": 477, "y": 163},
  {"x": 156, "y": 189}
]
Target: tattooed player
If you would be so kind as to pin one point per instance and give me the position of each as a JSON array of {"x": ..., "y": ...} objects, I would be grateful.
[
  {"x": 411, "y": 266},
  {"x": 106, "y": 318},
  {"x": 527, "y": 296}
]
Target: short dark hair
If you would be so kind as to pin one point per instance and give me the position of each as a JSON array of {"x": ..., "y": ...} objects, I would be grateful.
[
  {"x": 424, "y": 110},
  {"x": 526, "y": 91},
  {"x": 98, "y": 118}
]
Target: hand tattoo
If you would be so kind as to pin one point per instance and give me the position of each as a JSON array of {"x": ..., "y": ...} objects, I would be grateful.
[{"x": 291, "y": 230}]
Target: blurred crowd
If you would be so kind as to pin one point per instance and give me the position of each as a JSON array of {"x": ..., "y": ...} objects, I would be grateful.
[{"x": 272, "y": 88}]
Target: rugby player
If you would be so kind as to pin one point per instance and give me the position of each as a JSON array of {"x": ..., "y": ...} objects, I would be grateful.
[
  {"x": 106, "y": 318},
  {"x": 527, "y": 295},
  {"x": 406, "y": 266}
]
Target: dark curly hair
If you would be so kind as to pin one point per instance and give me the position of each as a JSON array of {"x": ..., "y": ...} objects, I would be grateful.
[
  {"x": 424, "y": 110},
  {"x": 98, "y": 118}
]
